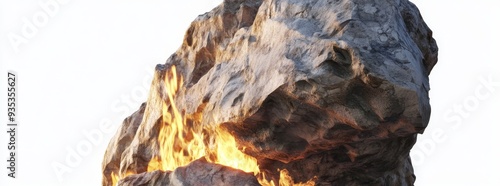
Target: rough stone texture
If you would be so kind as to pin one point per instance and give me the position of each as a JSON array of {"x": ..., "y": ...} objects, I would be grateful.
[
  {"x": 336, "y": 89},
  {"x": 199, "y": 172},
  {"x": 157, "y": 177},
  {"x": 120, "y": 142}
]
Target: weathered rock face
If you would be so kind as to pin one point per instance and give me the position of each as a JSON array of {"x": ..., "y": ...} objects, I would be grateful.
[
  {"x": 332, "y": 89},
  {"x": 199, "y": 172}
]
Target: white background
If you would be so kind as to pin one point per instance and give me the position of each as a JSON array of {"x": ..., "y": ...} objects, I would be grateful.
[{"x": 91, "y": 61}]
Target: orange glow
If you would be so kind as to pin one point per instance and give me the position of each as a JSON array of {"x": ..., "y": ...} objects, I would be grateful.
[
  {"x": 228, "y": 154},
  {"x": 286, "y": 180},
  {"x": 180, "y": 143},
  {"x": 114, "y": 178},
  {"x": 154, "y": 164}
]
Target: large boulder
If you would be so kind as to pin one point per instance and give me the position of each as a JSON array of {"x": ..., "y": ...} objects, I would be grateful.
[{"x": 335, "y": 90}]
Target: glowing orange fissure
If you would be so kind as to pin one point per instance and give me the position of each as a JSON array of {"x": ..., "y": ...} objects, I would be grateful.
[
  {"x": 116, "y": 177},
  {"x": 180, "y": 144}
]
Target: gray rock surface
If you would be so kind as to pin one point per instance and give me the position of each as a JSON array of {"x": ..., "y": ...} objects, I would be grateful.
[
  {"x": 199, "y": 173},
  {"x": 120, "y": 142},
  {"x": 333, "y": 89}
]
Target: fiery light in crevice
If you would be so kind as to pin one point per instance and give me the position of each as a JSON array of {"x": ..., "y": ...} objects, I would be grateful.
[
  {"x": 117, "y": 177},
  {"x": 181, "y": 143},
  {"x": 114, "y": 178}
]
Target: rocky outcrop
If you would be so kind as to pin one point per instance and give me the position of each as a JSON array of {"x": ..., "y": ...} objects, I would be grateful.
[
  {"x": 335, "y": 90},
  {"x": 199, "y": 172}
]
